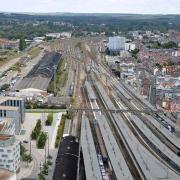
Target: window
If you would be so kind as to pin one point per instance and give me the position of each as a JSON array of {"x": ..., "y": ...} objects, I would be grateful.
[
  {"x": 1, "y": 150},
  {"x": 4, "y": 113},
  {"x": 0, "y": 160},
  {"x": 4, "y": 155},
  {"x": 7, "y": 166},
  {"x": 8, "y": 150},
  {"x": 10, "y": 161}
]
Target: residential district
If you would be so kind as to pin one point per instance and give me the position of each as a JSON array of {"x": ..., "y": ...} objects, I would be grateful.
[{"x": 92, "y": 107}]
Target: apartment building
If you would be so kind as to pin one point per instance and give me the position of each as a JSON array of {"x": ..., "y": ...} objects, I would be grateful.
[
  {"x": 9, "y": 153},
  {"x": 116, "y": 43}
]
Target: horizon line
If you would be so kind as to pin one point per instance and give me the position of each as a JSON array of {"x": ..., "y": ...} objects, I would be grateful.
[{"x": 31, "y": 12}]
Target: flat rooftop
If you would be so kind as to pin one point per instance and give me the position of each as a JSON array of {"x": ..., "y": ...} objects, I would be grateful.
[
  {"x": 7, "y": 98},
  {"x": 67, "y": 159}
]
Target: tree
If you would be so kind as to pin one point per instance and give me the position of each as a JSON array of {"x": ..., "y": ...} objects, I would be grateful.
[
  {"x": 22, "y": 44},
  {"x": 35, "y": 133},
  {"x": 41, "y": 140},
  {"x": 49, "y": 119},
  {"x": 23, "y": 150},
  {"x": 27, "y": 158},
  {"x": 49, "y": 163},
  {"x": 135, "y": 53},
  {"x": 41, "y": 176},
  {"x": 45, "y": 169},
  {"x": 4, "y": 87}
]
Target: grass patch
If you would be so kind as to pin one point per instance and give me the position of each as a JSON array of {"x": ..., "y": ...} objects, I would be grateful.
[
  {"x": 16, "y": 67},
  {"x": 33, "y": 52},
  {"x": 60, "y": 80},
  {"x": 6, "y": 55}
]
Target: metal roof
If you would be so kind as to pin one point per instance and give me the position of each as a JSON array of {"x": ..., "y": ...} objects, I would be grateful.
[
  {"x": 90, "y": 91},
  {"x": 40, "y": 76},
  {"x": 104, "y": 95},
  {"x": 118, "y": 162},
  {"x": 91, "y": 163}
]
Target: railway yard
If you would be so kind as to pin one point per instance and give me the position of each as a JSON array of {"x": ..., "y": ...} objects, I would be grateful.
[{"x": 122, "y": 136}]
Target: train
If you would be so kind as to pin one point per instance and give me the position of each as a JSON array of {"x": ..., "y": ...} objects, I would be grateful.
[
  {"x": 71, "y": 89},
  {"x": 164, "y": 123},
  {"x": 103, "y": 172}
]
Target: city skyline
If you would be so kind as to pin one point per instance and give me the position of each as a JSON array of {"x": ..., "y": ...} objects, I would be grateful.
[{"x": 101, "y": 6}]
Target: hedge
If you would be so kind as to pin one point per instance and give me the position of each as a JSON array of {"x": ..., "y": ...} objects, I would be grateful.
[{"x": 60, "y": 131}]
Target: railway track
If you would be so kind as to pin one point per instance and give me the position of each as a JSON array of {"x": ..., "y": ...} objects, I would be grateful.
[
  {"x": 175, "y": 167},
  {"x": 163, "y": 139},
  {"x": 143, "y": 105},
  {"x": 99, "y": 142},
  {"x": 124, "y": 147}
]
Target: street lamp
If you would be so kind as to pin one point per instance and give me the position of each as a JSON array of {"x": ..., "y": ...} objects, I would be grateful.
[
  {"x": 30, "y": 146},
  {"x": 47, "y": 144}
]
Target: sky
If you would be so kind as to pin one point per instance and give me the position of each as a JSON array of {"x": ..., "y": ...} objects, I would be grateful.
[{"x": 92, "y": 6}]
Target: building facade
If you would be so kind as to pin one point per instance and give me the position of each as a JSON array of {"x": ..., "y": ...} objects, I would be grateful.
[
  {"x": 13, "y": 107},
  {"x": 116, "y": 43},
  {"x": 9, "y": 153}
]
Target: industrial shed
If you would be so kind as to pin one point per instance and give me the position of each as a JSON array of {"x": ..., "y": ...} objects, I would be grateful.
[{"x": 38, "y": 79}]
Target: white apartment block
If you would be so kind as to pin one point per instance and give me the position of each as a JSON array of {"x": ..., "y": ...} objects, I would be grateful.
[
  {"x": 116, "y": 43},
  {"x": 130, "y": 46}
]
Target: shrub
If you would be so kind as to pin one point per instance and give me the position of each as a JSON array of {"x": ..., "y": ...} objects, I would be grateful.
[
  {"x": 49, "y": 120},
  {"x": 49, "y": 163}
]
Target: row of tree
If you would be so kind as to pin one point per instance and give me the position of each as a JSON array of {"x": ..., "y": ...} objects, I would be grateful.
[{"x": 37, "y": 130}]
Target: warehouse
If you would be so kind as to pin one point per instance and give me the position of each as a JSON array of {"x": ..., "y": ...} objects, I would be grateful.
[{"x": 38, "y": 79}]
